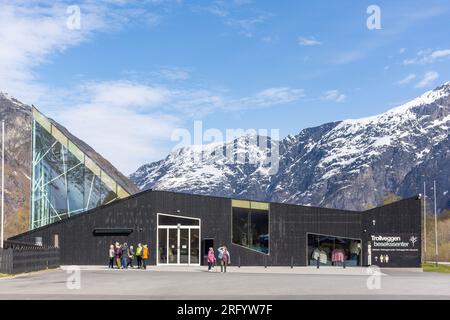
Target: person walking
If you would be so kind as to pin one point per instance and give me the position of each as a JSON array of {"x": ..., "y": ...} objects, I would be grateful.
[
  {"x": 130, "y": 256},
  {"x": 124, "y": 255},
  {"x": 111, "y": 256},
  {"x": 144, "y": 256},
  {"x": 118, "y": 254},
  {"x": 139, "y": 255},
  {"x": 225, "y": 261},
  {"x": 211, "y": 259}
]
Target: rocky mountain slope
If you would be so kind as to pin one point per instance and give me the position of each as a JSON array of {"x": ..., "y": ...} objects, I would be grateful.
[
  {"x": 351, "y": 164},
  {"x": 18, "y": 121}
]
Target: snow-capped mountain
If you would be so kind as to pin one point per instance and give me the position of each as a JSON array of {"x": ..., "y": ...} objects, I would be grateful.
[{"x": 349, "y": 164}]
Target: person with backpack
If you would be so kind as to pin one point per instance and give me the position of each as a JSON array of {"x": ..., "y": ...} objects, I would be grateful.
[
  {"x": 130, "y": 256},
  {"x": 111, "y": 256},
  {"x": 118, "y": 254},
  {"x": 125, "y": 256},
  {"x": 139, "y": 255},
  {"x": 144, "y": 256},
  {"x": 211, "y": 259}
]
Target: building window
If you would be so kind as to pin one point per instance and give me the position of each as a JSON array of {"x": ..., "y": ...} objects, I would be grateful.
[
  {"x": 333, "y": 251},
  {"x": 250, "y": 228}
]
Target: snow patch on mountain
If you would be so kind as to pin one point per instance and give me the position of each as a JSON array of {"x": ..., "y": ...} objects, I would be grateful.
[{"x": 330, "y": 165}]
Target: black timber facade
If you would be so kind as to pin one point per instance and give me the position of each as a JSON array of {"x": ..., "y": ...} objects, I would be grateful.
[{"x": 80, "y": 242}]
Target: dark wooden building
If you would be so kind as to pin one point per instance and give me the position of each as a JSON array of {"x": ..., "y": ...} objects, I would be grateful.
[{"x": 179, "y": 228}]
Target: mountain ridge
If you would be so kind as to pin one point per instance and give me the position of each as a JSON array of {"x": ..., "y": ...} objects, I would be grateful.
[{"x": 331, "y": 165}]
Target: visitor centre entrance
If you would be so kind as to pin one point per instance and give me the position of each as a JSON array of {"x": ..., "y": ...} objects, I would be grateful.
[{"x": 178, "y": 240}]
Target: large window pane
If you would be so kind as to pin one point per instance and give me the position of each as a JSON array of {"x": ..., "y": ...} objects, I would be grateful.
[
  {"x": 259, "y": 230},
  {"x": 162, "y": 245},
  {"x": 330, "y": 250},
  {"x": 195, "y": 246},
  {"x": 251, "y": 229},
  {"x": 240, "y": 226},
  {"x": 75, "y": 184}
]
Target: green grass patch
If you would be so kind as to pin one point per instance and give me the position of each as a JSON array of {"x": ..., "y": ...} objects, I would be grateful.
[
  {"x": 3, "y": 275},
  {"x": 431, "y": 267}
]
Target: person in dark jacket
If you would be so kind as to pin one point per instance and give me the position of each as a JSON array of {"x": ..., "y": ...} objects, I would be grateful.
[
  {"x": 130, "y": 256},
  {"x": 124, "y": 256}
]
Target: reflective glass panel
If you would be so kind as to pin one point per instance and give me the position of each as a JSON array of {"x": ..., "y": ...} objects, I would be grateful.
[
  {"x": 165, "y": 220},
  {"x": 62, "y": 185},
  {"x": 333, "y": 251},
  {"x": 195, "y": 246},
  {"x": 162, "y": 245},
  {"x": 250, "y": 228}
]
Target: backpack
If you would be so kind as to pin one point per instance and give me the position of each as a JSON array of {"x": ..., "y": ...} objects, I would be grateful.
[{"x": 219, "y": 254}]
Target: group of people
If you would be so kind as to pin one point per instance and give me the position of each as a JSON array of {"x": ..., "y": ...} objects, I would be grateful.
[
  {"x": 123, "y": 256},
  {"x": 223, "y": 256}
]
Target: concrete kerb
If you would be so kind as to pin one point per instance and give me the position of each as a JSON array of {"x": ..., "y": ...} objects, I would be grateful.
[
  {"x": 349, "y": 271},
  {"x": 24, "y": 274}
]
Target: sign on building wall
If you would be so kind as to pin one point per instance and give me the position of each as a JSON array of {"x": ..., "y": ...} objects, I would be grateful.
[{"x": 394, "y": 250}]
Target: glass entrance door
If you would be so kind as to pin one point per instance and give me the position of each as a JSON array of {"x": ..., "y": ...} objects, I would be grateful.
[
  {"x": 184, "y": 246},
  {"x": 178, "y": 243},
  {"x": 173, "y": 246}
]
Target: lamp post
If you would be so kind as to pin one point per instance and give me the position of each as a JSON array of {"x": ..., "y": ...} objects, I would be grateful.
[
  {"x": 435, "y": 224},
  {"x": 425, "y": 220},
  {"x": 3, "y": 185}
]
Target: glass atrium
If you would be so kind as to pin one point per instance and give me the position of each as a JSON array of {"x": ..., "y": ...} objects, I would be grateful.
[{"x": 65, "y": 181}]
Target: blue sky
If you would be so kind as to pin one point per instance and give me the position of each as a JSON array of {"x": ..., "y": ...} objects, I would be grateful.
[{"x": 137, "y": 70}]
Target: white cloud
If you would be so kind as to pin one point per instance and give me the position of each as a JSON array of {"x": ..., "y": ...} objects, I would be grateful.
[
  {"x": 334, "y": 95},
  {"x": 406, "y": 79},
  {"x": 349, "y": 56},
  {"x": 440, "y": 54},
  {"x": 174, "y": 73},
  {"x": 428, "y": 56},
  {"x": 269, "y": 39},
  {"x": 402, "y": 50},
  {"x": 268, "y": 98},
  {"x": 427, "y": 79},
  {"x": 130, "y": 123},
  {"x": 33, "y": 32},
  {"x": 308, "y": 41},
  {"x": 29, "y": 35},
  {"x": 125, "y": 137},
  {"x": 125, "y": 93},
  {"x": 246, "y": 26},
  {"x": 126, "y": 121}
]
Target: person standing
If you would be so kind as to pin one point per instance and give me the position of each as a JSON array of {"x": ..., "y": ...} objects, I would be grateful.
[
  {"x": 225, "y": 261},
  {"x": 144, "y": 256},
  {"x": 139, "y": 255},
  {"x": 124, "y": 255},
  {"x": 111, "y": 256},
  {"x": 211, "y": 259},
  {"x": 130, "y": 256},
  {"x": 118, "y": 254}
]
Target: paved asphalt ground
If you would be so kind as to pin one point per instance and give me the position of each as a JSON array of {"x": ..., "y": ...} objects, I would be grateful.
[{"x": 244, "y": 283}]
